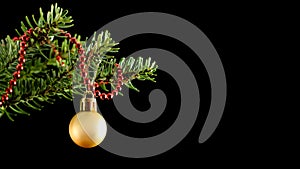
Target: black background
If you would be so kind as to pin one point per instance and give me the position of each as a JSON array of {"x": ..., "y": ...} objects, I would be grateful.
[{"x": 234, "y": 30}]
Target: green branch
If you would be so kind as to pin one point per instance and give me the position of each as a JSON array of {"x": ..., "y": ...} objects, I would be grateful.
[{"x": 44, "y": 80}]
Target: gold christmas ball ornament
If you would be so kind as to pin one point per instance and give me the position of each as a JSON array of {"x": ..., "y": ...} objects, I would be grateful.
[{"x": 87, "y": 128}]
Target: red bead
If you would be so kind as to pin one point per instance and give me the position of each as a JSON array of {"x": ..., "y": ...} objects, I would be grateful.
[
  {"x": 68, "y": 35},
  {"x": 24, "y": 38},
  {"x": 63, "y": 64},
  {"x": 120, "y": 71},
  {"x": 83, "y": 74},
  {"x": 115, "y": 92},
  {"x": 82, "y": 66},
  {"x": 1, "y": 103},
  {"x": 9, "y": 90},
  {"x": 4, "y": 97},
  {"x": 119, "y": 88},
  {"x": 30, "y": 30},
  {"x": 78, "y": 45},
  {"x": 82, "y": 58},
  {"x": 58, "y": 58},
  {"x": 80, "y": 51},
  {"x": 22, "y": 51},
  {"x": 73, "y": 40},
  {"x": 13, "y": 82},
  {"x": 20, "y": 66},
  {"x": 97, "y": 93},
  {"x": 22, "y": 60},
  {"x": 120, "y": 77},
  {"x": 117, "y": 65},
  {"x": 17, "y": 74},
  {"x": 120, "y": 82},
  {"x": 86, "y": 81},
  {"x": 22, "y": 48},
  {"x": 103, "y": 96},
  {"x": 15, "y": 38},
  {"x": 96, "y": 85},
  {"x": 110, "y": 96},
  {"x": 23, "y": 44}
]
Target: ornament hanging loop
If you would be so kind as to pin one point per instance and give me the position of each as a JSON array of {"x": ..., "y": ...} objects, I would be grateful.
[{"x": 88, "y": 102}]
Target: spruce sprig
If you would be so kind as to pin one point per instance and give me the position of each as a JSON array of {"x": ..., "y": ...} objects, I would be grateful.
[{"x": 44, "y": 80}]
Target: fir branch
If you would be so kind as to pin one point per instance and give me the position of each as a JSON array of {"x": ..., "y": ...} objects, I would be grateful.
[
  {"x": 132, "y": 69},
  {"x": 96, "y": 51},
  {"x": 43, "y": 80},
  {"x": 8, "y": 51}
]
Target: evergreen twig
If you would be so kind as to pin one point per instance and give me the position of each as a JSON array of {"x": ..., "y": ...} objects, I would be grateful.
[{"x": 43, "y": 80}]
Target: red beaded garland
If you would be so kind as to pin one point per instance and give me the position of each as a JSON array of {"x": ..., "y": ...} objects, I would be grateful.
[
  {"x": 110, "y": 95},
  {"x": 17, "y": 74},
  {"x": 84, "y": 74},
  {"x": 22, "y": 52}
]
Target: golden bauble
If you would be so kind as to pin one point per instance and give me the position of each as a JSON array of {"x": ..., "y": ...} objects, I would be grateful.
[{"x": 87, "y": 129}]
